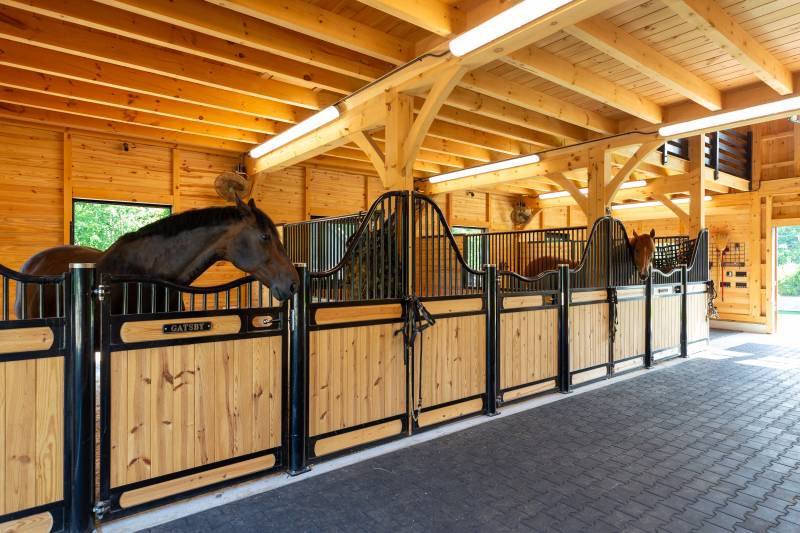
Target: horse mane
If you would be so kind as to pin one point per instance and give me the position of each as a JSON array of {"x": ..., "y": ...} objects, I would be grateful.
[{"x": 194, "y": 218}]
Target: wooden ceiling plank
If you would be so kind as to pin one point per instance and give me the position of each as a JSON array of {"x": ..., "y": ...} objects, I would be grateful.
[
  {"x": 65, "y": 65},
  {"x": 712, "y": 20},
  {"x": 88, "y": 109},
  {"x": 241, "y": 29},
  {"x": 615, "y": 42},
  {"x": 42, "y": 116},
  {"x": 321, "y": 24},
  {"x": 134, "y": 26},
  {"x": 583, "y": 81},
  {"x": 101, "y": 94},
  {"x": 517, "y": 94},
  {"x": 60, "y": 36},
  {"x": 433, "y": 15}
]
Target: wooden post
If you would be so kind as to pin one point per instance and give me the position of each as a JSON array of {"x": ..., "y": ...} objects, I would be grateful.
[
  {"x": 67, "y": 188},
  {"x": 599, "y": 174},
  {"x": 399, "y": 117},
  {"x": 176, "y": 181},
  {"x": 697, "y": 190}
]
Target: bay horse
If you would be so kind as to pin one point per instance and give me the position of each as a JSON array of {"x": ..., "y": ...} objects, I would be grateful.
[
  {"x": 642, "y": 248},
  {"x": 177, "y": 249}
]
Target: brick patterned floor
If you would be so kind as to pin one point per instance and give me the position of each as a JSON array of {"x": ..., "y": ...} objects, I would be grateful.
[{"x": 707, "y": 445}]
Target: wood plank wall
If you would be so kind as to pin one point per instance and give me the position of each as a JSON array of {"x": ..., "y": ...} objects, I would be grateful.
[
  {"x": 31, "y": 433},
  {"x": 528, "y": 347},
  {"x": 179, "y": 407},
  {"x": 357, "y": 375},
  {"x": 454, "y": 360}
]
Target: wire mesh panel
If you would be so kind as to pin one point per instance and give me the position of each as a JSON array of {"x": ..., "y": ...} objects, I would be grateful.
[
  {"x": 320, "y": 243},
  {"x": 437, "y": 256},
  {"x": 373, "y": 265}
]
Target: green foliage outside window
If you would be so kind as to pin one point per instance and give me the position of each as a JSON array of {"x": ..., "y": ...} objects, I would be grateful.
[{"x": 99, "y": 225}]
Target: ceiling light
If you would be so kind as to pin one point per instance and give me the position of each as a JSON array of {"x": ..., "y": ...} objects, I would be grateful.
[
  {"x": 503, "y": 23},
  {"x": 786, "y": 105},
  {"x": 313, "y": 122},
  {"x": 483, "y": 169}
]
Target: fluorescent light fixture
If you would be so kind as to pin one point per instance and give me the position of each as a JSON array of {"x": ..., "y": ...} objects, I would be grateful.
[
  {"x": 653, "y": 204},
  {"x": 313, "y": 122},
  {"x": 749, "y": 113},
  {"x": 483, "y": 169},
  {"x": 503, "y": 23},
  {"x": 585, "y": 191}
]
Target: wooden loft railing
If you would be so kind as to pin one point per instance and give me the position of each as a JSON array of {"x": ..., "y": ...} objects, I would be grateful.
[{"x": 727, "y": 151}]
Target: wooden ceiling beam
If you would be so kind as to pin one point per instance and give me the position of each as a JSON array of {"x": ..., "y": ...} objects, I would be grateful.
[
  {"x": 433, "y": 15},
  {"x": 308, "y": 19},
  {"x": 89, "y": 109},
  {"x": 42, "y": 116},
  {"x": 613, "y": 41},
  {"x": 715, "y": 23},
  {"x": 50, "y": 62},
  {"x": 241, "y": 29},
  {"x": 45, "y": 32},
  {"x": 517, "y": 94},
  {"x": 100, "y": 94},
  {"x": 155, "y": 32},
  {"x": 583, "y": 81}
]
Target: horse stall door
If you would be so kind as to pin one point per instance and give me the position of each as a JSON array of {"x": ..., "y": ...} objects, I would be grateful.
[
  {"x": 357, "y": 376},
  {"x": 629, "y": 341},
  {"x": 32, "y": 416},
  {"x": 528, "y": 344},
  {"x": 190, "y": 398}
]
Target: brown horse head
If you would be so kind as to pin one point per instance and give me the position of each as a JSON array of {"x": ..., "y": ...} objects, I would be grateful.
[
  {"x": 255, "y": 247},
  {"x": 644, "y": 246}
]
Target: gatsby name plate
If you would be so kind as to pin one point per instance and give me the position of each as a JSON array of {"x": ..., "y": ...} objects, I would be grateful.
[{"x": 187, "y": 327}]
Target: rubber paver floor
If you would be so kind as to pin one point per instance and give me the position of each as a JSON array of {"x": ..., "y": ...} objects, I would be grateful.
[{"x": 712, "y": 444}]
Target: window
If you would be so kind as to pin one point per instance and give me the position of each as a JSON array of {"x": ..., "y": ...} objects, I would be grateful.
[
  {"x": 99, "y": 224},
  {"x": 473, "y": 250}
]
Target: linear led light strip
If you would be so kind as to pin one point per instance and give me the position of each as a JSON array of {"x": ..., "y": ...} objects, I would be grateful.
[
  {"x": 560, "y": 194},
  {"x": 653, "y": 204}
]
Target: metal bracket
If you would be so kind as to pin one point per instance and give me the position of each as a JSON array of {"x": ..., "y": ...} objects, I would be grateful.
[
  {"x": 101, "y": 508},
  {"x": 101, "y": 291}
]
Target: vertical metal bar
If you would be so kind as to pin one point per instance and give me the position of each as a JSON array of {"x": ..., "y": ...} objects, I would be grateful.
[
  {"x": 80, "y": 399},
  {"x": 492, "y": 338},
  {"x": 684, "y": 313},
  {"x": 648, "y": 322},
  {"x": 564, "y": 379},
  {"x": 298, "y": 376}
]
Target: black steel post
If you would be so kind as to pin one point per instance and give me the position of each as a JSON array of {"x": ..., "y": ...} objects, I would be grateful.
[
  {"x": 563, "y": 328},
  {"x": 684, "y": 316},
  {"x": 298, "y": 375},
  {"x": 648, "y": 321},
  {"x": 492, "y": 338},
  {"x": 80, "y": 398}
]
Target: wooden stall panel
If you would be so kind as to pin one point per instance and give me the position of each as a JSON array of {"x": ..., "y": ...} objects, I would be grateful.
[
  {"x": 630, "y": 329},
  {"x": 588, "y": 335},
  {"x": 31, "y": 433},
  {"x": 180, "y": 407},
  {"x": 357, "y": 376},
  {"x": 666, "y": 322},
  {"x": 528, "y": 347},
  {"x": 454, "y": 360},
  {"x": 696, "y": 319}
]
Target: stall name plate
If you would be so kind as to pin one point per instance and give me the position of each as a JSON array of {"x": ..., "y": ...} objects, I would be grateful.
[{"x": 188, "y": 327}]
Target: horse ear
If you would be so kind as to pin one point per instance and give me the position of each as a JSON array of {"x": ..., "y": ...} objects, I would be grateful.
[{"x": 652, "y": 233}]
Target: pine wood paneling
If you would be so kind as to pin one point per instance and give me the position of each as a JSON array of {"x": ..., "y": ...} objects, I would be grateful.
[
  {"x": 528, "y": 347},
  {"x": 179, "y": 407},
  {"x": 588, "y": 335},
  {"x": 31, "y": 433},
  {"x": 357, "y": 375}
]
